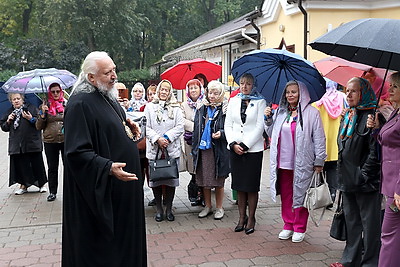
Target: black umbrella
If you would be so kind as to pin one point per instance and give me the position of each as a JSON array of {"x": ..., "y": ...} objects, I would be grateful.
[
  {"x": 375, "y": 42},
  {"x": 372, "y": 41}
]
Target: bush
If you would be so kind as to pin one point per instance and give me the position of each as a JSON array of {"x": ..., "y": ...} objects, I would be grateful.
[
  {"x": 6, "y": 74},
  {"x": 134, "y": 75}
]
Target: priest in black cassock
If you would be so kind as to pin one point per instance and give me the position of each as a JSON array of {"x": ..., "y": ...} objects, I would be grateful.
[{"x": 103, "y": 212}]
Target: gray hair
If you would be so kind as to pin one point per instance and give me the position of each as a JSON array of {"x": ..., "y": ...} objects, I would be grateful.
[{"x": 10, "y": 95}]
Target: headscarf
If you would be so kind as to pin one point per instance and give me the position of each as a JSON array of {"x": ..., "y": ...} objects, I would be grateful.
[
  {"x": 190, "y": 102},
  {"x": 215, "y": 85},
  {"x": 367, "y": 101},
  {"x": 55, "y": 106},
  {"x": 136, "y": 104},
  {"x": 168, "y": 104},
  {"x": 332, "y": 100}
]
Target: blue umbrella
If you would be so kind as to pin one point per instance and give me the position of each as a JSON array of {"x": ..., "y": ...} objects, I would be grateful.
[
  {"x": 273, "y": 68},
  {"x": 5, "y": 103}
]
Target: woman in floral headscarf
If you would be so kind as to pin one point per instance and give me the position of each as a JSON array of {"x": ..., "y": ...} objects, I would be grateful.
[
  {"x": 50, "y": 120},
  {"x": 359, "y": 178},
  {"x": 195, "y": 94},
  {"x": 164, "y": 127},
  {"x": 210, "y": 153},
  {"x": 138, "y": 97}
]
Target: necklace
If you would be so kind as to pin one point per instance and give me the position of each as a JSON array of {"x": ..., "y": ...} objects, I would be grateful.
[
  {"x": 290, "y": 111},
  {"x": 128, "y": 130}
]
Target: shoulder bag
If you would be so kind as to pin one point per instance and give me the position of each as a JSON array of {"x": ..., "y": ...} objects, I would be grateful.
[
  {"x": 163, "y": 169},
  {"x": 338, "y": 228},
  {"x": 317, "y": 196}
]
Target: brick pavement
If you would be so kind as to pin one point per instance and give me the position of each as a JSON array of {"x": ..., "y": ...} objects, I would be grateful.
[{"x": 30, "y": 232}]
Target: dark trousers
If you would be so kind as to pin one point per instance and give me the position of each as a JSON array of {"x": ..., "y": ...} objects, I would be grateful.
[
  {"x": 363, "y": 222},
  {"x": 52, "y": 151},
  {"x": 330, "y": 167}
]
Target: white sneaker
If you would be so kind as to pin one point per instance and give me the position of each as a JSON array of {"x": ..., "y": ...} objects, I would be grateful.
[
  {"x": 21, "y": 191},
  {"x": 205, "y": 212},
  {"x": 285, "y": 234},
  {"x": 219, "y": 214},
  {"x": 298, "y": 237},
  {"x": 43, "y": 189}
]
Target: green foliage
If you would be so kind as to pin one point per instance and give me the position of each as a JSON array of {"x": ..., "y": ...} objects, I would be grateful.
[
  {"x": 136, "y": 33},
  {"x": 6, "y": 74},
  {"x": 134, "y": 75}
]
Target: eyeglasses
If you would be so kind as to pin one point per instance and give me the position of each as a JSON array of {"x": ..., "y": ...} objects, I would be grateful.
[{"x": 55, "y": 92}]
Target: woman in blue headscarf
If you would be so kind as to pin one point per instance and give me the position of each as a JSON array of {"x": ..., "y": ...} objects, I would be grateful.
[
  {"x": 244, "y": 126},
  {"x": 359, "y": 178}
]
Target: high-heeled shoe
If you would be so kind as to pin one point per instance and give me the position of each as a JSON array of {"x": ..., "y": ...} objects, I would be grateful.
[
  {"x": 239, "y": 227},
  {"x": 250, "y": 230}
]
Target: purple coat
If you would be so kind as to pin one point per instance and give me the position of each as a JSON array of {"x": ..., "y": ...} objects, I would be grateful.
[{"x": 389, "y": 138}]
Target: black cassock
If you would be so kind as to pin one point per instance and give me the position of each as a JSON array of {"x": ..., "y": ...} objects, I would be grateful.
[{"x": 103, "y": 217}]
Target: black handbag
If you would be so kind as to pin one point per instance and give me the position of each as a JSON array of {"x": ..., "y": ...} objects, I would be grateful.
[
  {"x": 163, "y": 169},
  {"x": 338, "y": 228}
]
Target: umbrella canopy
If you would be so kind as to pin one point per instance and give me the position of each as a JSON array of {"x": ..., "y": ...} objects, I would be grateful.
[
  {"x": 38, "y": 80},
  {"x": 184, "y": 71},
  {"x": 341, "y": 71},
  {"x": 5, "y": 103},
  {"x": 374, "y": 42},
  {"x": 273, "y": 68}
]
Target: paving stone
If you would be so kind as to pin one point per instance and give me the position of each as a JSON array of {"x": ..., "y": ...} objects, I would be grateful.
[{"x": 239, "y": 263}]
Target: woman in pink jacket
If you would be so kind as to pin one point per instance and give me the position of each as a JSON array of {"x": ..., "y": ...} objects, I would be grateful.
[{"x": 389, "y": 139}]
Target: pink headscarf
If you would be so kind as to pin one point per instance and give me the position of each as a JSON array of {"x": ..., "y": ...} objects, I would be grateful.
[
  {"x": 332, "y": 100},
  {"x": 55, "y": 106}
]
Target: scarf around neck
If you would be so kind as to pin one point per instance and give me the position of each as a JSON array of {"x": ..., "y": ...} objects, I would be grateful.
[
  {"x": 367, "y": 101},
  {"x": 205, "y": 142},
  {"x": 55, "y": 106},
  {"x": 168, "y": 104}
]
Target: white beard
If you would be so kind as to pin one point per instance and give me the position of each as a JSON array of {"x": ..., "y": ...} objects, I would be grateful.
[{"x": 110, "y": 93}]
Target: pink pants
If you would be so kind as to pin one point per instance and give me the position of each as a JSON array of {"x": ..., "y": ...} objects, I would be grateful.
[{"x": 294, "y": 219}]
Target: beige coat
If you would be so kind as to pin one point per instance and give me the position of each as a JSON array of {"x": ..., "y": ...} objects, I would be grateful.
[{"x": 188, "y": 115}]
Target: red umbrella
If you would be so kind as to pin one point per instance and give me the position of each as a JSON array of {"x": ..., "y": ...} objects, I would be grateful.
[
  {"x": 341, "y": 71},
  {"x": 185, "y": 70}
]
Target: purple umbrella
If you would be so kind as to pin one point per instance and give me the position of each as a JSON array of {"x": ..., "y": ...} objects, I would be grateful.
[{"x": 38, "y": 80}]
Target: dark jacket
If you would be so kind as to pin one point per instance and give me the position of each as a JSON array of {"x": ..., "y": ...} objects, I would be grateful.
[
  {"x": 25, "y": 138},
  {"x": 358, "y": 163},
  {"x": 221, "y": 152},
  {"x": 52, "y": 127}
]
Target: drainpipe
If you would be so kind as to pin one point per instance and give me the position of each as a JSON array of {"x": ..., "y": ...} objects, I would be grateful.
[
  {"x": 300, "y": 4},
  {"x": 253, "y": 16},
  {"x": 258, "y": 34}
]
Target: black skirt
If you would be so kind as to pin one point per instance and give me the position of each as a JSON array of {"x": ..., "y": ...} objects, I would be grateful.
[
  {"x": 27, "y": 169},
  {"x": 246, "y": 171}
]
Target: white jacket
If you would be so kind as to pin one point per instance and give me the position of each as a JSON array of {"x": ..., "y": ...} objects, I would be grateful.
[
  {"x": 250, "y": 133},
  {"x": 173, "y": 128}
]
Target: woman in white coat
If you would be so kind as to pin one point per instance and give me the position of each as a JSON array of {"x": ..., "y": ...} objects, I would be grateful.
[
  {"x": 297, "y": 150},
  {"x": 164, "y": 126},
  {"x": 244, "y": 126}
]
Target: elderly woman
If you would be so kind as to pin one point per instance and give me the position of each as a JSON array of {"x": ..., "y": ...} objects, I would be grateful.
[
  {"x": 138, "y": 97},
  {"x": 359, "y": 178},
  {"x": 24, "y": 145},
  {"x": 244, "y": 126},
  {"x": 210, "y": 153},
  {"x": 50, "y": 120},
  {"x": 164, "y": 127},
  {"x": 297, "y": 150},
  {"x": 194, "y": 93},
  {"x": 389, "y": 139}
]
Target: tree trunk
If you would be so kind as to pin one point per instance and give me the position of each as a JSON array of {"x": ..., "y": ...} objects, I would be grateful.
[{"x": 26, "y": 17}]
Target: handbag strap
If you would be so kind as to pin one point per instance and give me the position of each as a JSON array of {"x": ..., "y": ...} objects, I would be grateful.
[
  {"x": 165, "y": 151},
  {"x": 340, "y": 202}
]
